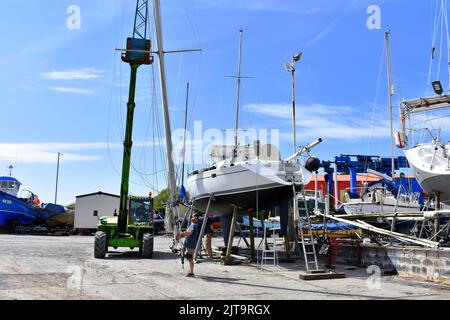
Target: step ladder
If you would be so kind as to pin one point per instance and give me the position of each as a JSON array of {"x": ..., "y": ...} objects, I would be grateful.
[
  {"x": 307, "y": 237},
  {"x": 270, "y": 250}
]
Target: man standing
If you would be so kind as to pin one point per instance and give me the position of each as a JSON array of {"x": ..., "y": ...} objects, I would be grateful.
[
  {"x": 191, "y": 235},
  {"x": 327, "y": 251},
  {"x": 208, "y": 237}
]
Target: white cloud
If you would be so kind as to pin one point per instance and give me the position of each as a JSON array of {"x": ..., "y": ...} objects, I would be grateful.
[
  {"x": 73, "y": 90},
  {"x": 47, "y": 152},
  {"x": 317, "y": 120},
  {"x": 81, "y": 74}
]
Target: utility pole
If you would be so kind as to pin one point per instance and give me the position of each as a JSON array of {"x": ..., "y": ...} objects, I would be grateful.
[
  {"x": 390, "y": 93},
  {"x": 57, "y": 177}
]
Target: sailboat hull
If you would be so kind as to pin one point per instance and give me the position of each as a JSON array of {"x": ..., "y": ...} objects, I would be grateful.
[
  {"x": 247, "y": 186},
  {"x": 252, "y": 186},
  {"x": 432, "y": 173},
  {"x": 246, "y": 200},
  {"x": 362, "y": 207}
]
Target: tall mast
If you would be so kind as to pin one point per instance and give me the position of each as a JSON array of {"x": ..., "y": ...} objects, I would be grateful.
[
  {"x": 390, "y": 93},
  {"x": 185, "y": 132},
  {"x": 172, "y": 204},
  {"x": 238, "y": 97},
  {"x": 162, "y": 73}
]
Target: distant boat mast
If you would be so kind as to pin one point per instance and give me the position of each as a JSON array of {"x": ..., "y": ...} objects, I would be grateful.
[
  {"x": 185, "y": 133},
  {"x": 238, "y": 98},
  {"x": 390, "y": 94}
]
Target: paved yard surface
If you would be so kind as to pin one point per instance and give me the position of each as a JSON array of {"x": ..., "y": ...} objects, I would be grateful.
[{"x": 34, "y": 267}]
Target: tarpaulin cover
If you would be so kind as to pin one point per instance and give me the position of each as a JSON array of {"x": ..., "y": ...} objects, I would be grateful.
[{"x": 338, "y": 226}]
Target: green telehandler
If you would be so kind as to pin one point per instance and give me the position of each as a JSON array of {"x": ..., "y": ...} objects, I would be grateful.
[{"x": 133, "y": 227}]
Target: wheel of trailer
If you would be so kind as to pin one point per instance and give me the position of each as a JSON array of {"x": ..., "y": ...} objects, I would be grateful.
[
  {"x": 147, "y": 246},
  {"x": 101, "y": 245}
]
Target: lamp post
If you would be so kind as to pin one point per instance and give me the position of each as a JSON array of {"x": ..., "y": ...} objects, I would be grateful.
[
  {"x": 290, "y": 67},
  {"x": 57, "y": 176}
]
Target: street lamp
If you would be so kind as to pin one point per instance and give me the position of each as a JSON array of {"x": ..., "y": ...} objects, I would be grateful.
[
  {"x": 290, "y": 67},
  {"x": 437, "y": 87},
  {"x": 57, "y": 176}
]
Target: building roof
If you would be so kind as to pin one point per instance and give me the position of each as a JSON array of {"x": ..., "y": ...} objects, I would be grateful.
[{"x": 97, "y": 194}]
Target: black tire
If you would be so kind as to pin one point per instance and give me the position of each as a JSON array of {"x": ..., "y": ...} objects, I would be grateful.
[
  {"x": 101, "y": 245},
  {"x": 147, "y": 246}
]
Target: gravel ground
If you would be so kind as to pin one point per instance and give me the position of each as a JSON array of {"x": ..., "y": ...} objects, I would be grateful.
[{"x": 34, "y": 267}]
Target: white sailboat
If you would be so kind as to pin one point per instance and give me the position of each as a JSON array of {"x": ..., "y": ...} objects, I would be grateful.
[
  {"x": 428, "y": 156},
  {"x": 255, "y": 180},
  {"x": 379, "y": 199},
  {"x": 250, "y": 177},
  {"x": 430, "y": 161}
]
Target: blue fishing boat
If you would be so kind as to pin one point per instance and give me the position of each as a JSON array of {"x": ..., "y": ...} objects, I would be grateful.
[{"x": 15, "y": 210}]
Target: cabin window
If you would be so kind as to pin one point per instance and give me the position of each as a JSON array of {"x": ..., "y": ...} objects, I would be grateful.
[{"x": 95, "y": 213}]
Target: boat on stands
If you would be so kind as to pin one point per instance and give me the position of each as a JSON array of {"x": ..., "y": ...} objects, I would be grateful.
[
  {"x": 429, "y": 160},
  {"x": 258, "y": 179},
  {"x": 250, "y": 177},
  {"x": 382, "y": 196},
  {"x": 24, "y": 210}
]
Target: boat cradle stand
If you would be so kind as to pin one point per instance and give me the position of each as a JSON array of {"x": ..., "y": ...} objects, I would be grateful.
[{"x": 228, "y": 259}]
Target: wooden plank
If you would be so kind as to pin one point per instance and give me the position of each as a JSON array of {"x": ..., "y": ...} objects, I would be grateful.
[{"x": 321, "y": 276}]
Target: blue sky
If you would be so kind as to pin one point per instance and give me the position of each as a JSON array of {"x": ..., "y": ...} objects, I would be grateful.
[{"x": 65, "y": 90}]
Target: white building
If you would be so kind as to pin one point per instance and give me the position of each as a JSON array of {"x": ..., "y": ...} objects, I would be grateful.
[{"x": 91, "y": 207}]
